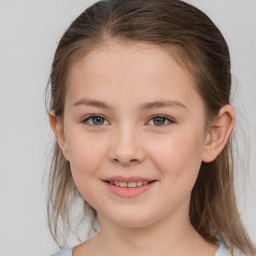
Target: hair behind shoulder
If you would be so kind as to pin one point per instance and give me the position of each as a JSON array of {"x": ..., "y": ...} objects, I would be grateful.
[{"x": 196, "y": 43}]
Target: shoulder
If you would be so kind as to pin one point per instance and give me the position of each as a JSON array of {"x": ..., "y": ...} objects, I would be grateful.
[
  {"x": 221, "y": 251},
  {"x": 65, "y": 252}
]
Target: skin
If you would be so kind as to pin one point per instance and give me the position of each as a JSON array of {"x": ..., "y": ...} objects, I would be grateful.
[{"x": 130, "y": 142}]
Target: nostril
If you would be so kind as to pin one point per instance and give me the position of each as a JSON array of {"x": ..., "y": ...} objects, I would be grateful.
[{"x": 125, "y": 162}]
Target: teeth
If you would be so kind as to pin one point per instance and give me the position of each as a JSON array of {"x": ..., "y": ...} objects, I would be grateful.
[
  {"x": 123, "y": 184},
  {"x": 132, "y": 184},
  {"x": 139, "y": 183}
]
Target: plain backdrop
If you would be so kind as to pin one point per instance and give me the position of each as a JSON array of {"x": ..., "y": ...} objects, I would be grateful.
[{"x": 29, "y": 33}]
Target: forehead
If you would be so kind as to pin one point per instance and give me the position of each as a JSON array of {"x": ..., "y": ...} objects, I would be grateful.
[
  {"x": 124, "y": 68},
  {"x": 128, "y": 54}
]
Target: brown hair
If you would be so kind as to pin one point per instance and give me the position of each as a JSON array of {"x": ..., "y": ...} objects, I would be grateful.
[{"x": 197, "y": 44}]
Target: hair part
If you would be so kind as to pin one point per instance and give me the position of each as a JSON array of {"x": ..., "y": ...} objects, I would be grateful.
[{"x": 196, "y": 44}]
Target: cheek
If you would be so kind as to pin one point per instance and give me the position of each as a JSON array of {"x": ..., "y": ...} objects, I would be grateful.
[
  {"x": 178, "y": 158},
  {"x": 85, "y": 154},
  {"x": 178, "y": 161}
]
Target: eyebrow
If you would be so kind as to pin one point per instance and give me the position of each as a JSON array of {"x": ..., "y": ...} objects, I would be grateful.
[{"x": 144, "y": 106}]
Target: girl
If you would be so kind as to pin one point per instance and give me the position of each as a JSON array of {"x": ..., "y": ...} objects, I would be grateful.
[{"x": 140, "y": 106}]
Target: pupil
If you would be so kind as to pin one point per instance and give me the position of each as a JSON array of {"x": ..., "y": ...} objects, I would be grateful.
[
  {"x": 97, "y": 120},
  {"x": 159, "y": 120}
]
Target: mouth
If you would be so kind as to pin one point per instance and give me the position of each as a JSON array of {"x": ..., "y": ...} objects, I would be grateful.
[
  {"x": 129, "y": 189},
  {"x": 131, "y": 184}
]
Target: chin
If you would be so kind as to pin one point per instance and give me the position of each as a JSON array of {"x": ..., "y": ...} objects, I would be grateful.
[{"x": 132, "y": 220}]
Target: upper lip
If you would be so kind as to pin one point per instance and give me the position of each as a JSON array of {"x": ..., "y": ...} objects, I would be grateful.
[{"x": 127, "y": 179}]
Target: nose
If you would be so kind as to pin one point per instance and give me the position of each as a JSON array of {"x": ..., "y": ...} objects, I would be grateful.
[{"x": 126, "y": 148}]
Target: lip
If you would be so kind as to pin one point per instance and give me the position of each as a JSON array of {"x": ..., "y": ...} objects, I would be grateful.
[
  {"x": 127, "y": 179},
  {"x": 127, "y": 192}
]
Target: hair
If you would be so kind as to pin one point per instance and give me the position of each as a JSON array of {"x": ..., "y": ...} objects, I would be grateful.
[{"x": 197, "y": 44}]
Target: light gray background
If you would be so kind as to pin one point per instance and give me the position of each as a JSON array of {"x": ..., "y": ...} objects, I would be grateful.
[{"x": 29, "y": 32}]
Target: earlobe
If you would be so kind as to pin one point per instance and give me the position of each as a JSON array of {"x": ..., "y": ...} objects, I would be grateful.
[
  {"x": 57, "y": 128},
  {"x": 218, "y": 133}
]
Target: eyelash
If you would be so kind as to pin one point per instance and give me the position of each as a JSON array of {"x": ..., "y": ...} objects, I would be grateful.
[{"x": 85, "y": 121}]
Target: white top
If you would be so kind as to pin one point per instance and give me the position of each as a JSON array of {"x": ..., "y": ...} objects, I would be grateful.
[{"x": 68, "y": 252}]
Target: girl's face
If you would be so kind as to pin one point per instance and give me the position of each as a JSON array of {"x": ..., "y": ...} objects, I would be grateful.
[{"x": 133, "y": 111}]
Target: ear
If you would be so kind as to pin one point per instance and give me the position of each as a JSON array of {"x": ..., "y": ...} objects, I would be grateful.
[
  {"x": 218, "y": 133},
  {"x": 57, "y": 128}
]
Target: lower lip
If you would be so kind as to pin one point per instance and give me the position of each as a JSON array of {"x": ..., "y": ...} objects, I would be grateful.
[{"x": 129, "y": 192}]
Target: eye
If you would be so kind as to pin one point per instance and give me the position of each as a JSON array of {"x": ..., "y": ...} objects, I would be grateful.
[
  {"x": 160, "y": 120},
  {"x": 95, "y": 120}
]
